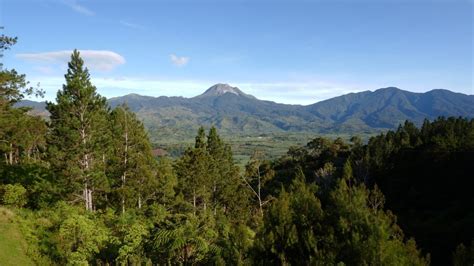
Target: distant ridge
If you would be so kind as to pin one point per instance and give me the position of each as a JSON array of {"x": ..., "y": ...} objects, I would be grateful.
[{"x": 235, "y": 112}]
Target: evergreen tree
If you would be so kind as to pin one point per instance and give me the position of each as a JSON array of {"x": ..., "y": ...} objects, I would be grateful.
[
  {"x": 257, "y": 173},
  {"x": 167, "y": 183},
  {"x": 208, "y": 176},
  {"x": 193, "y": 177},
  {"x": 225, "y": 177},
  {"x": 132, "y": 162},
  {"x": 79, "y": 135},
  {"x": 21, "y": 135},
  {"x": 292, "y": 228}
]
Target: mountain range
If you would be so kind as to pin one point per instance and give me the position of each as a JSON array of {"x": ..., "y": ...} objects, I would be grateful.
[{"x": 235, "y": 112}]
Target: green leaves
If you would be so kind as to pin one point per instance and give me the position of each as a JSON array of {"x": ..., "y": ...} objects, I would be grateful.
[
  {"x": 132, "y": 246},
  {"x": 131, "y": 164},
  {"x": 77, "y": 144},
  {"x": 13, "y": 194},
  {"x": 292, "y": 227},
  {"x": 80, "y": 238},
  {"x": 189, "y": 241}
]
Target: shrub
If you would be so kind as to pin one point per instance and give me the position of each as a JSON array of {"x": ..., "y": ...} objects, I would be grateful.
[{"x": 14, "y": 195}]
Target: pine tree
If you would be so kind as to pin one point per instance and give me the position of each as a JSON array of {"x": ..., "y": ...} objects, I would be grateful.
[
  {"x": 292, "y": 228},
  {"x": 224, "y": 175},
  {"x": 208, "y": 176},
  {"x": 167, "y": 182},
  {"x": 193, "y": 175},
  {"x": 21, "y": 135},
  {"x": 132, "y": 161},
  {"x": 79, "y": 134}
]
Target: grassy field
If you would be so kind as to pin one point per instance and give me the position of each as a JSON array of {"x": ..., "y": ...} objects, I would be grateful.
[
  {"x": 12, "y": 243},
  {"x": 273, "y": 145}
]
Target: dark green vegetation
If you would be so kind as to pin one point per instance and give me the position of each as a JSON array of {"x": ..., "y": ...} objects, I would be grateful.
[
  {"x": 84, "y": 188},
  {"x": 425, "y": 174}
]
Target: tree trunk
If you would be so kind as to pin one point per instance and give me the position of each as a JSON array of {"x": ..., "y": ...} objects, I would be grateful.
[
  {"x": 85, "y": 194},
  {"x": 194, "y": 201},
  {"x": 259, "y": 191},
  {"x": 123, "y": 193},
  {"x": 11, "y": 154},
  {"x": 204, "y": 200},
  {"x": 125, "y": 161},
  {"x": 91, "y": 206},
  {"x": 215, "y": 197}
]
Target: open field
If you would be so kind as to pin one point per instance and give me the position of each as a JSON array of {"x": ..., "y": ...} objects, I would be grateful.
[
  {"x": 12, "y": 244},
  {"x": 273, "y": 145}
]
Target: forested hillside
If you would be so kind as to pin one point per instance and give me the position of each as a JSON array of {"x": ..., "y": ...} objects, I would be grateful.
[
  {"x": 86, "y": 189},
  {"x": 234, "y": 112}
]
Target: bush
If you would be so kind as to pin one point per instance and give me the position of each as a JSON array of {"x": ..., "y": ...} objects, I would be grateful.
[{"x": 14, "y": 195}]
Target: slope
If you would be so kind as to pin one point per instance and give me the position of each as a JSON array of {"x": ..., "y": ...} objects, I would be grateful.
[{"x": 12, "y": 243}]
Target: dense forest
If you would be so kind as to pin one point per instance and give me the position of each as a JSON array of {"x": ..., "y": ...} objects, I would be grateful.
[{"x": 86, "y": 189}]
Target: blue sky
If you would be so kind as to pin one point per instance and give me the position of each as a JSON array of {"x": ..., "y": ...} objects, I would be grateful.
[{"x": 297, "y": 52}]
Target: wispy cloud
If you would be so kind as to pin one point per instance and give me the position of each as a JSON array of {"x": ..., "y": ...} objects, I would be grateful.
[
  {"x": 46, "y": 70},
  {"x": 288, "y": 92},
  {"x": 179, "y": 60},
  {"x": 94, "y": 59},
  {"x": 291, "y": 92},
  {"x": 74, "y": 5},
  {"x": 131, "y": 25}
]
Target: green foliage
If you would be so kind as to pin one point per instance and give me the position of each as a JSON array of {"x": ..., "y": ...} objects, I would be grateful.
[
  {"x": 131, "y": 248},
  {"x": 367, "y": 234},
  {"x": 78, "y": 138},
  {"x": 14, "y": 195},
  {"x": 463, "y": 256},
  {"x": 13, "y": 247},
  {"x": 189, "y": 239},
  {"x": 289, "y": 234},
  {"x": 425, "y": 175},
  {"x": 298, "y": 229},
  {"x": 80, "y": 238},
  {"x": 21, "y": 135},
  {"x": 131, "y": 164},
  {"x": 356, "y": 113},
  {"x": 36, "y": 178},
  {"x": 167, "y": 182},
  {"x": 320, "y": 204},
  {"x": 209, "y": 178}
]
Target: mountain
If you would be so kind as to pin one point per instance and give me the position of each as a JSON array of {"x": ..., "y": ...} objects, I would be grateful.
[
  {"x": 226, "y": 107},
  {"x": 221, "y": 89},
  {"x": 37, "y": 108},
  {"x": 388, "y": 107},
  {"x": 235, "y": 112}
]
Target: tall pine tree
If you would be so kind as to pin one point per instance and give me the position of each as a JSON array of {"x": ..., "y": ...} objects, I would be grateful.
[
  {"x": 78, "y": 135},
  {"x": 132, "y": 161}
]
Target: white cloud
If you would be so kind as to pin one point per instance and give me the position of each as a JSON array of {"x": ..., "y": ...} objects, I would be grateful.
[
  {"x": 46, "y": 70},
  {"x": 94, "y": 59},
  {"x": 291, "y": 92},
  {"x": 79, "y": 8},
  {"x": 131, "y": 25},
  {"x": 179, "y": 60},
  {"x": 288, "y": 92}
]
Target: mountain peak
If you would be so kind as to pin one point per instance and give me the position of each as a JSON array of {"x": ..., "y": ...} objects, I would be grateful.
[
  {"x": 222, "y": 88},
  {"x": 388, "y": 89}
]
